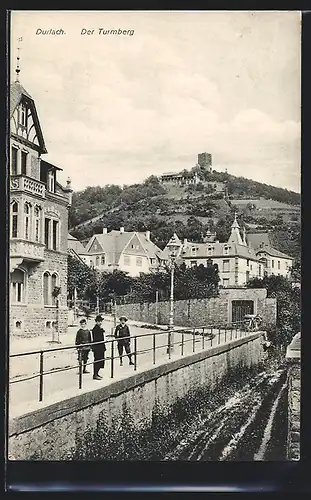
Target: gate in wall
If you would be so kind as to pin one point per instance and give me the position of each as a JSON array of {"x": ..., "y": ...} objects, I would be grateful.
[{"x": 240, "y": 308}]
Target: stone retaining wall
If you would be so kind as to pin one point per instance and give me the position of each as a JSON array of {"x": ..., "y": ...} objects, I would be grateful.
[
  {"x": 56, "y": 431},
  {"x": 198, "y": 312},
  {"x": 293, "y": 442}
]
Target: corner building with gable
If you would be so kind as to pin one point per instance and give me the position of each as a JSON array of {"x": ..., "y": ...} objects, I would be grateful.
[{"x": 38, "y": 226}]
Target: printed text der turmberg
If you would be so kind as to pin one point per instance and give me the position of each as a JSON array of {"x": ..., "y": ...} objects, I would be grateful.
[{"x": 84, "y": 31}]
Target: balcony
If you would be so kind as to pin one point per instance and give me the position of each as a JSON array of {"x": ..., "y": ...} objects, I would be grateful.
[
  {"x": 27, "y": 184},
  {"x": 21, "y": 250}
]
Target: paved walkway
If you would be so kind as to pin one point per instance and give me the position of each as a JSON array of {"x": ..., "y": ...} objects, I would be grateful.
[{"x": 58, "y": 385}]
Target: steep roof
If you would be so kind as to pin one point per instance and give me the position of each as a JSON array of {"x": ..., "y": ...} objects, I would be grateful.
[
  {"x": 273, "y": 252},
  {"x": 256, "y": 239},
  {"x": 75, "y": 244},
  {"x": 17, "y": 93},
  {"x": 234, "y": 249}
]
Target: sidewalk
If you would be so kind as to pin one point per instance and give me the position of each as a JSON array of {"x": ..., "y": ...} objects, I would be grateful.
[{"x": 24, "y": 344}]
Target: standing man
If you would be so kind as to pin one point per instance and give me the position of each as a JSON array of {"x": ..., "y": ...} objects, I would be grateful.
[
  {"x": 83, "y": 337},
  {"x": 122, "y": 333},
  {"x": 98, "y": 349}
]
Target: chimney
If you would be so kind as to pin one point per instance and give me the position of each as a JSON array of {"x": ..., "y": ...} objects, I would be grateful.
[
  {"x": 122, "y": 229},
  {"x": 148, "y": 235},
  {"x": 104, "y": 230}
]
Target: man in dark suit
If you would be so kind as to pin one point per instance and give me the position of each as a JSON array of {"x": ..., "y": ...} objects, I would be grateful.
[
  {"x": 98, "y": 349},
  {"x": 122, "y": 333}
]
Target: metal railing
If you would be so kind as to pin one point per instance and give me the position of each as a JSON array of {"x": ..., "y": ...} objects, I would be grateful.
[{"x": 206, "y": 336}]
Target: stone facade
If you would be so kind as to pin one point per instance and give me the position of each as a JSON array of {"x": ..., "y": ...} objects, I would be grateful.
[
  {"x": 293, "y": 381},
  {"x": 52, "y": 433},
  {"x": 38, "y": 226},
  {"x": 201, "y": 312}
]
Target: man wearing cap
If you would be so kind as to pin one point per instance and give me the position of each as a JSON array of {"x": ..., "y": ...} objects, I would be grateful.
[
  {"x": 122, "y": 333},
  {"x": 97, "y": 335},
  {"x": 83, "y": 337}
]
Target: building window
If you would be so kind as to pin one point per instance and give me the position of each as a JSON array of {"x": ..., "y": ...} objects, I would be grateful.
[
  {"x": 127, "y": 260},
  {"x": 37, "y": 216},
  {"x": 103, "y": 260},
  {"x": 53, "y": 285},
  {"x": 247, "y": 276},
  {"x": 226, "y": 266},
  {"x": 247, "y": 262},
  {"x": 46, "y": 281},
  {"x": 23, "y": 115},
  {"x": 209, "y": 250},
  {"x": 193, "y": 251},
  {"x": 279, "y": 264},
  {"x": 24, "y": 163},
  {"x": 264, "y": 262},
  {"x": 47, "y": 223},
  {"x": 226, "y": 250},
  {"x": 49, "y": 283},
  {"x": 55, "y": 235},
  {"x": 251, "y": 267},
  {"x": 97, "y": 260},
  {"x": 17, "y": 286},
  {"x": 14, "y": 161},
  {"x": 225, "y": 282},
  {"x": 139, "y": 261},
  {"x": 272, "y": 263},
  {"x": 27, "y": 220},
  {"x": 51, "y": 233},
  {"x": 193, "y": 263},
  {"x": 14, "y": 219},
  {"x": 51, "y": 181}
]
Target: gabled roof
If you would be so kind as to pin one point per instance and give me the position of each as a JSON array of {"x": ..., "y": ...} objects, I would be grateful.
[
  {"x": 17, "y": 93},
  {"x": 75, "y": 244},
  {"x": 115, "y": 242},
  {"x": 272, "y": 252}
]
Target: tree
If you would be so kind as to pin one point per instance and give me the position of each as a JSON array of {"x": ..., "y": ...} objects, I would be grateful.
[{"x": 288, "y": 306}]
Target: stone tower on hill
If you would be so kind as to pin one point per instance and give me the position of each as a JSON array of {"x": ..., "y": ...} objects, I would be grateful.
[{"x": 205, "y": 161}]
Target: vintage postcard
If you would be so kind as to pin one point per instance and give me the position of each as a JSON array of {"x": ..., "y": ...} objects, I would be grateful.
[{"x": 154, "y": 293}]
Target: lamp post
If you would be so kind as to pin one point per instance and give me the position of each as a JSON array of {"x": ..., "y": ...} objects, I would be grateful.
[
  {"x": 56, "y": 291},
  {"x": 173, "y": 247}
]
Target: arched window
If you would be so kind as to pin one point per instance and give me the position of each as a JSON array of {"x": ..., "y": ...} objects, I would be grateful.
[
  {"x": 14, "y": 219},
  {"x": 46, "y": 288},
  {"x": 54, "y": 284},
  {"x": 50, "y": 281},
  {"x": 17, "y": 286},
  {"x": 27, "y": 207},
  {"x": 37, "y": 225}
]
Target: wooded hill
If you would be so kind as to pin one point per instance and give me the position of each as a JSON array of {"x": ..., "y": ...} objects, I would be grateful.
[{"x": 188, "y": 210}]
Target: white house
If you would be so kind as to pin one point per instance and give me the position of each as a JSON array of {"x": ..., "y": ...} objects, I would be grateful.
[{"x": 129, "y": 251}]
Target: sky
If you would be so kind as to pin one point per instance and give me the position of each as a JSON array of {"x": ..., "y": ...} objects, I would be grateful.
[{"x": 115, "y": 109}]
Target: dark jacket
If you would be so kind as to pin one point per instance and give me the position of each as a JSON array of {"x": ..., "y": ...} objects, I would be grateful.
[
  {"x": 122, "y": 331},
  {"x": 83, "y": 337},
  {"x": 98, "y": 336}
]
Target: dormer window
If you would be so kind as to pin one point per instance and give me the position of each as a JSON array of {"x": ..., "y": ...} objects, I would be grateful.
[
  {"x": 51, "y": 181},
  {"x": 23, "y": 115}
]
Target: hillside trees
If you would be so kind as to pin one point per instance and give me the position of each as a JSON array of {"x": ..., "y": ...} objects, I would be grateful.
[{"x": 288, "y": 306}]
